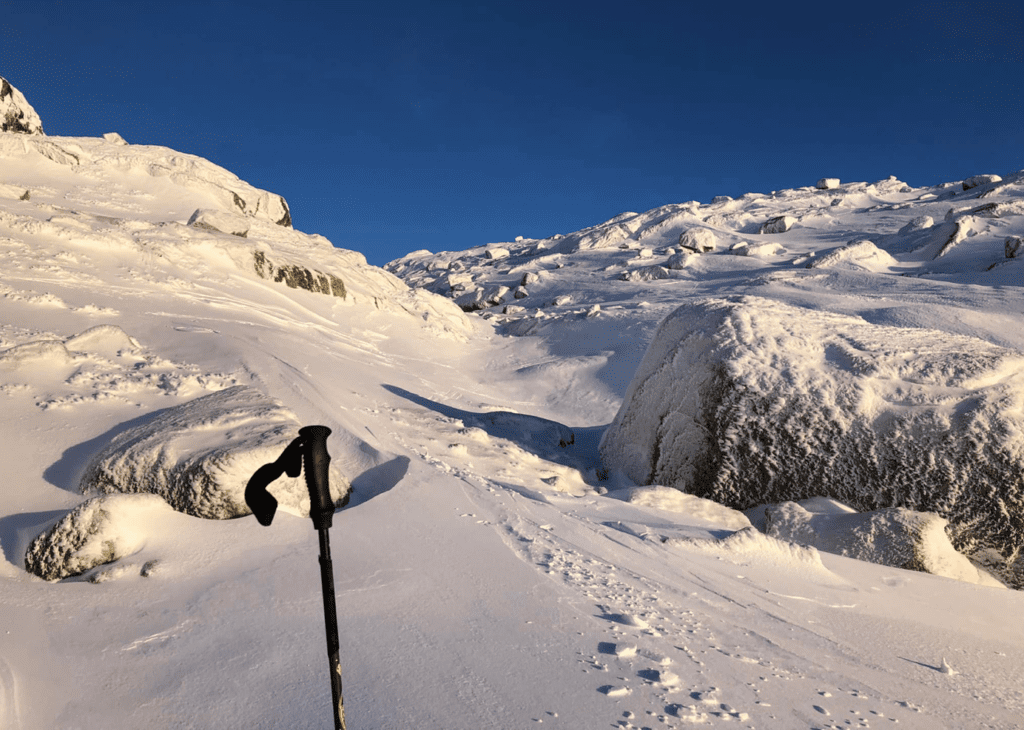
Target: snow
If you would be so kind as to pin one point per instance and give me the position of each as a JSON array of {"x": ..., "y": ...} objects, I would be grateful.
[{"x": 492, "y": 571}]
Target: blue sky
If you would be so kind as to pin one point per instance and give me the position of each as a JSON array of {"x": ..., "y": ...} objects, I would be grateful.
[{"x": 392, "y": 126}]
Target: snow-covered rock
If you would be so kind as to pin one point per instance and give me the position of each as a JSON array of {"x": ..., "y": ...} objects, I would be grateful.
[
  {"x": 220, "y": 221},
  {"x": 679, "y": 260},
  {"x": 295, "y": 275},
  {"x": 699, "y": 240},
  {"x": 895, "y": 536},
  {"x": 858, "y": 254},
  {"x": 645, "y": 273},
  {"x": 16, "y": 114},
  {"x": 747, "y": 401},
  {"x": 918, "y": 224},
  {"x": 199, "y": 456},
  {"x": 493, "y": 254},
  {"x": 1013, "y": 246},
  {"x": 115, "y": 138},
  {"x": 827, "y": 183},
  {"x": 778, "y": 224},
  {"x": 98, "y": 531},
  {"x": 977, "y": 180}
]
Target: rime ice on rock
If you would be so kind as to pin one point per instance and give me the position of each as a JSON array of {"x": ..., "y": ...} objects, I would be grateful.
[
  {"x": 978, "y": 180},
  {"x": 747, "y": 401},
  {"x": 16, "y": 114}
]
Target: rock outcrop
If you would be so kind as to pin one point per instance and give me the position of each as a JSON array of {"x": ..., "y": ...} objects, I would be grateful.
[
  {"x": 16, "y": 114},
  {"x": 298, "y": 277},
  {"x": 749, "y": 401}
]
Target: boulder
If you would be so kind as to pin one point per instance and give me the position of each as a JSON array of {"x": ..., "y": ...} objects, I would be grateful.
[
  {"x": 896, "y": 536},
  {"x": 680, "y": 260},
  {"x": 721, "y": 199},
  {"x": 698, "y": 240},
  {"x": 1014, "y": 247},
  {"x": 747, "y": 401},
  {"x": 493, "y": 254},
  {"x": 977, "y": 180},
  {"x": 219, "y": 221},
  {"x": 199, "y": 456},
  {"x": 645, "y": 273},
  {"x": 856, "y": 254},
  {"x": 918, "y": 224},
  {"x": 16, "y": 114},
  {"x": 827, "y": 183},
  {"x": 115, "y": 138},
  {"x": 778, "y": 224},
  {"x": 98, "y": 531}
]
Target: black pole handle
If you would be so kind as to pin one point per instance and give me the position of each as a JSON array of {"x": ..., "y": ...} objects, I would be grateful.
[
  {"x": 306, "y": 453},
  {"x": 316, "y": 461}
]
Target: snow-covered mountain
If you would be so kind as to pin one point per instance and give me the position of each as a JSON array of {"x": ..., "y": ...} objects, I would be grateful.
[{"x": 164, "y": 330}]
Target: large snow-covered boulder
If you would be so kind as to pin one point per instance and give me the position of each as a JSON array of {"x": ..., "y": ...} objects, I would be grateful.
[
  {"x": 200, "y": 455},
  {"x": 749, "y": 401},
  {"x": 16, "y": 114},
  {"x": 827, "y": 183},
  {"x": 699, "y": 240},
  {"x": 98, "y": 531},
  {"x": 895, "y": 536}
]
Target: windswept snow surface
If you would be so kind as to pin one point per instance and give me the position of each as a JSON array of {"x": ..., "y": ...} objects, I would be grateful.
[{"x": 489, "y": 572}]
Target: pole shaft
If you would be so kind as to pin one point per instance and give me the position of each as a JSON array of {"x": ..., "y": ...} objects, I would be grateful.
[{"x": 331, "y": 622}]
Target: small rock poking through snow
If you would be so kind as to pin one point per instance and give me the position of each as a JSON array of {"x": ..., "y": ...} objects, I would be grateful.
[{"x": 98, "y": 531}]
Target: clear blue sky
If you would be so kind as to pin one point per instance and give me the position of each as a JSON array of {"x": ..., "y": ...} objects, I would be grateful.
[{"x": 391, "y": 126}]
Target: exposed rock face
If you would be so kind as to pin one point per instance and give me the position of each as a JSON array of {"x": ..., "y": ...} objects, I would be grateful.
[
  {"x": 298, "y": 277},
  {"x": 98, "y": 531},
  {"x": 750, "y": 401},
  {"x": 199, "y": 456},
  {"x": 16, "y": 114}
]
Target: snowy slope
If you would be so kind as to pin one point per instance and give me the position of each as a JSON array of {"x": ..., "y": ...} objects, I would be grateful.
[{"x": 487, "y": 575}]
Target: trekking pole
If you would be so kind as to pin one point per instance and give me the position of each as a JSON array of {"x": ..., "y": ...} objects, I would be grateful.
[{"x": 308, "y": 453}]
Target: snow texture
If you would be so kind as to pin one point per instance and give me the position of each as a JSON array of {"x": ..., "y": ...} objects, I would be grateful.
[
  {"x": 16, "y": 114},
  {"x": 199, "y": 456},
  {"x": 894, "y": 536},
  {"x": 750, "y": 401}
]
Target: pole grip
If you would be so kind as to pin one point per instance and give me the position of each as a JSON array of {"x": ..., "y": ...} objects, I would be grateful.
[{"x": 316, "y": 462}]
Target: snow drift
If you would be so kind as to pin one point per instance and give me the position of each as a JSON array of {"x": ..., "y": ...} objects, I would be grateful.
[
  {"x": 199, "y": 456},
  {"x": 749, "y": 401},
  {"x": 895, "y": 536}
]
